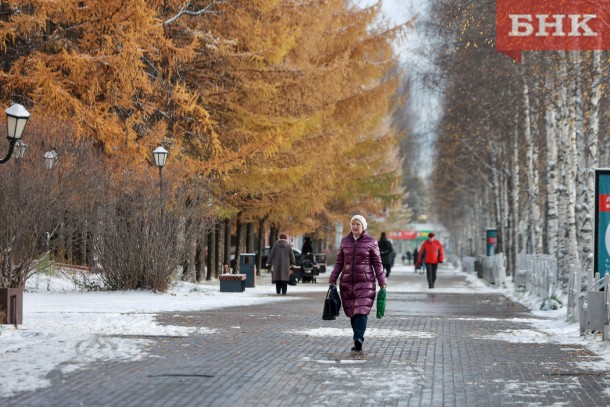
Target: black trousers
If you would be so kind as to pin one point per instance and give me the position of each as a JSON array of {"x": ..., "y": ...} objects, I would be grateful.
[
  {"x": 281, "y": 286},
  {"x": 431, "y": 273},
  {"x": 388, "y": 269}
]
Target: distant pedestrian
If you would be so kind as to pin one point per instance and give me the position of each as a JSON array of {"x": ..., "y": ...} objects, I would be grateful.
[
  {"x": 432, "y": 253},
  {"x": 408, "y": 254},
  {"x": 358, "y": 264},
  {"x": 387, "y": 254},
  {"x": 307, "y": 247},
  {"x": 415, "y": 257},
  {"x": 281, "y": 258}
]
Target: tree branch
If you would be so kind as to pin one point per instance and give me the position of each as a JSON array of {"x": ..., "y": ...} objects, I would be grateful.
[{"x": 185, "y": 10}]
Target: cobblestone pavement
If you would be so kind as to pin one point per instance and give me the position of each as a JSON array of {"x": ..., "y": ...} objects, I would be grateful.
[{"x": 433, "y": 348}]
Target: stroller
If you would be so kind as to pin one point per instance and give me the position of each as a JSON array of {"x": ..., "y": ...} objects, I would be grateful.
[{"x": 309, "y": 269}]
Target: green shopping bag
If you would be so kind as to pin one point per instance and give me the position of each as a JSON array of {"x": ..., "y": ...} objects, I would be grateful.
[{"x": 381, "y": 303}]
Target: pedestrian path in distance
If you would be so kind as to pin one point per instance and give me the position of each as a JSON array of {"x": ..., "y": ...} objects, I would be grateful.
[{"x": 454, "y": 345}]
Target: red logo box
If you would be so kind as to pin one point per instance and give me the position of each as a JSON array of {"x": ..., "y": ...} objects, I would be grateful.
[{"x": 546, "y": 25}]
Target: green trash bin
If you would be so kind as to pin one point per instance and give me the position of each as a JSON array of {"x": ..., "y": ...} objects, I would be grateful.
[{"x": 247, "y": 266}]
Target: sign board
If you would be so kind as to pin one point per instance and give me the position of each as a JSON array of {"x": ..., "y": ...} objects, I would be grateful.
[
  {"x": 602, "y": 222},
  {"x": 492, "y": 241}
]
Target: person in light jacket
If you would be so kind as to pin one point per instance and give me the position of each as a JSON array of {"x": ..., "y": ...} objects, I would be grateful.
[
  {"x": 357, "y": 266},
  {"x": 432, "y": 253},
  {"x": 281, "y": 258}
]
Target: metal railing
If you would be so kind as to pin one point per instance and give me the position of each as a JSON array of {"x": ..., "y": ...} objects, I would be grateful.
[
  {"x": 537, "y": 273},
  {"x": 468, "y": 264},
  {"x": 490, "y": 268}
]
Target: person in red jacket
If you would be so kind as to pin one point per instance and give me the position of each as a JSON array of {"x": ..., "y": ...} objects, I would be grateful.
[{"x": 432, "y": 253}]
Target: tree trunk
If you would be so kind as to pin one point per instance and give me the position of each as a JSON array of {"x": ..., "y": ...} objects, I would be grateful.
[
  {"x": 592, "y": 163},
  {"x": 238, "y": 241},
  {"x": 535, "y": 237},
  {"x": 552, "y": 188},
  {"x": 260, "y": 245},
  {"x": 212, "y": 271},
  {"x": 515, "y": 185},
  {"x": 250, "y": 246},
  {"x": 190, "y": 273},
  {"x": 227, "y": 246},
  {"x": 200, "y": 257},
  {"x": 572, "y": 176}
]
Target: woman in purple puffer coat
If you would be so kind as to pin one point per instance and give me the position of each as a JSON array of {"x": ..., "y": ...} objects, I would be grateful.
[{"x": 359, "y": 263}]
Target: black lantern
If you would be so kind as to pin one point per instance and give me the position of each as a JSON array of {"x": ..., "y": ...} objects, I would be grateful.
[{"x": 16, "y": 119}]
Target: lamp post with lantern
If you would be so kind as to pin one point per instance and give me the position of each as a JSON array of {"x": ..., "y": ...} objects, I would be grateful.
[
  {"x": 16, "y": 119},
  {"x": 11, "y": 296},
  {"x": 50, "y": 160},
  {"x": 160, "y": 157}
]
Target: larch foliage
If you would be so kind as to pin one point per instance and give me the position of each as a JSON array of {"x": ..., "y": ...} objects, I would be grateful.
[
  {"x": 314, "y": 87},
  {"x": 110, "y": 69}
]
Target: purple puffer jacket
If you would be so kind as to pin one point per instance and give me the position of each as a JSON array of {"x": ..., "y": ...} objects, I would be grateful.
[{"x": 359, "y": 262}]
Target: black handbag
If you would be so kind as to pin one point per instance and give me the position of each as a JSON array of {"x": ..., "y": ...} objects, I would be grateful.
[
  {"x": 292, "y": 280},
  {"x": 330, "y": 311},
  {"x": 334, "y": 295}
]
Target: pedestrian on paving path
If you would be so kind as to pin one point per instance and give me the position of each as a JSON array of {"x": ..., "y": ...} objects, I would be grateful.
[
  {"x": 432, "y": 253},
  {"x": 387, "y": 254},
  {"x": 358, "y": 264},
  {"x": 307, "y": 247},
  {"x": 280, "y": 259}
]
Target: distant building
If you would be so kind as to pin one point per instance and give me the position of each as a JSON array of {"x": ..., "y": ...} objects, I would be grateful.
[{"x": 414, "y": 235}]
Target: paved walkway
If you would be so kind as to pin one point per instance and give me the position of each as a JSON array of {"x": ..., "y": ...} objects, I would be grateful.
[{"x": 433, "y": 348}]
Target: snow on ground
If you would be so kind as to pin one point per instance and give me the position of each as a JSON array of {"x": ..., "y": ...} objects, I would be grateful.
[{"x": 67, "y": 328}]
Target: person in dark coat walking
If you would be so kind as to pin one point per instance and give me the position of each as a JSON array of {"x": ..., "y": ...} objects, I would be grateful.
[
  {"x": 357, "y": 266},
  {"x": 307, "y": 247},
  {"x": 387, "y": 254},
  {"x": 281, "y": 258},
  {"x": 415, "y": 257},
  {"x": 432, "y": 253}
]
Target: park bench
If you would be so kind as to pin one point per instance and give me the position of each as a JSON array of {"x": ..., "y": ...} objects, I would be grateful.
[{"x": 232, "y": 283}]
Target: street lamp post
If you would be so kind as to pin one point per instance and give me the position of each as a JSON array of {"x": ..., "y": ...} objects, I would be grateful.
[
  {"x": 160, "y": 157},
  {"x": 50, "y": 160},
  {"x": 16, "y": 119},
  {"x": 20, "y": 148}
]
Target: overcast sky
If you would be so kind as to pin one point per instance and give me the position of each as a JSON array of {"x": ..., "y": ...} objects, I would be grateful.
[{"x": 423, "y": 101}]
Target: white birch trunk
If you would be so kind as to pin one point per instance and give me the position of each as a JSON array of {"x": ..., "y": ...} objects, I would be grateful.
[
  {"x": 551, "y": 175},
  {"x": 592, "y": 163},
  {"x": 515, "y": 192},
  {"x": 535, "y": 237},
  {"x": 504, "y": 220},
  {"x": 572, "y": 175},
  {"x": 562, "y": 163}
]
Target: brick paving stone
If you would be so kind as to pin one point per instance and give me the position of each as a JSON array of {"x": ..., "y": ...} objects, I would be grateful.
[{"x": 443, "y": 357}]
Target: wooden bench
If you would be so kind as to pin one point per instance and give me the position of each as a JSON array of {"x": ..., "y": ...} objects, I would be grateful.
[{"x": 232, "y": 283}]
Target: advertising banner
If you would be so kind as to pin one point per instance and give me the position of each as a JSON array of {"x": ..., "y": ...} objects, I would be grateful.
[
  {"x": 602, "y": 222},
  {"x": 492, "y": 241}
]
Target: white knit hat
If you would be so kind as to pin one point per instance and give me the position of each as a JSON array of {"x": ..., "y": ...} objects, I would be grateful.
[{"x": 361, "y": 219}]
